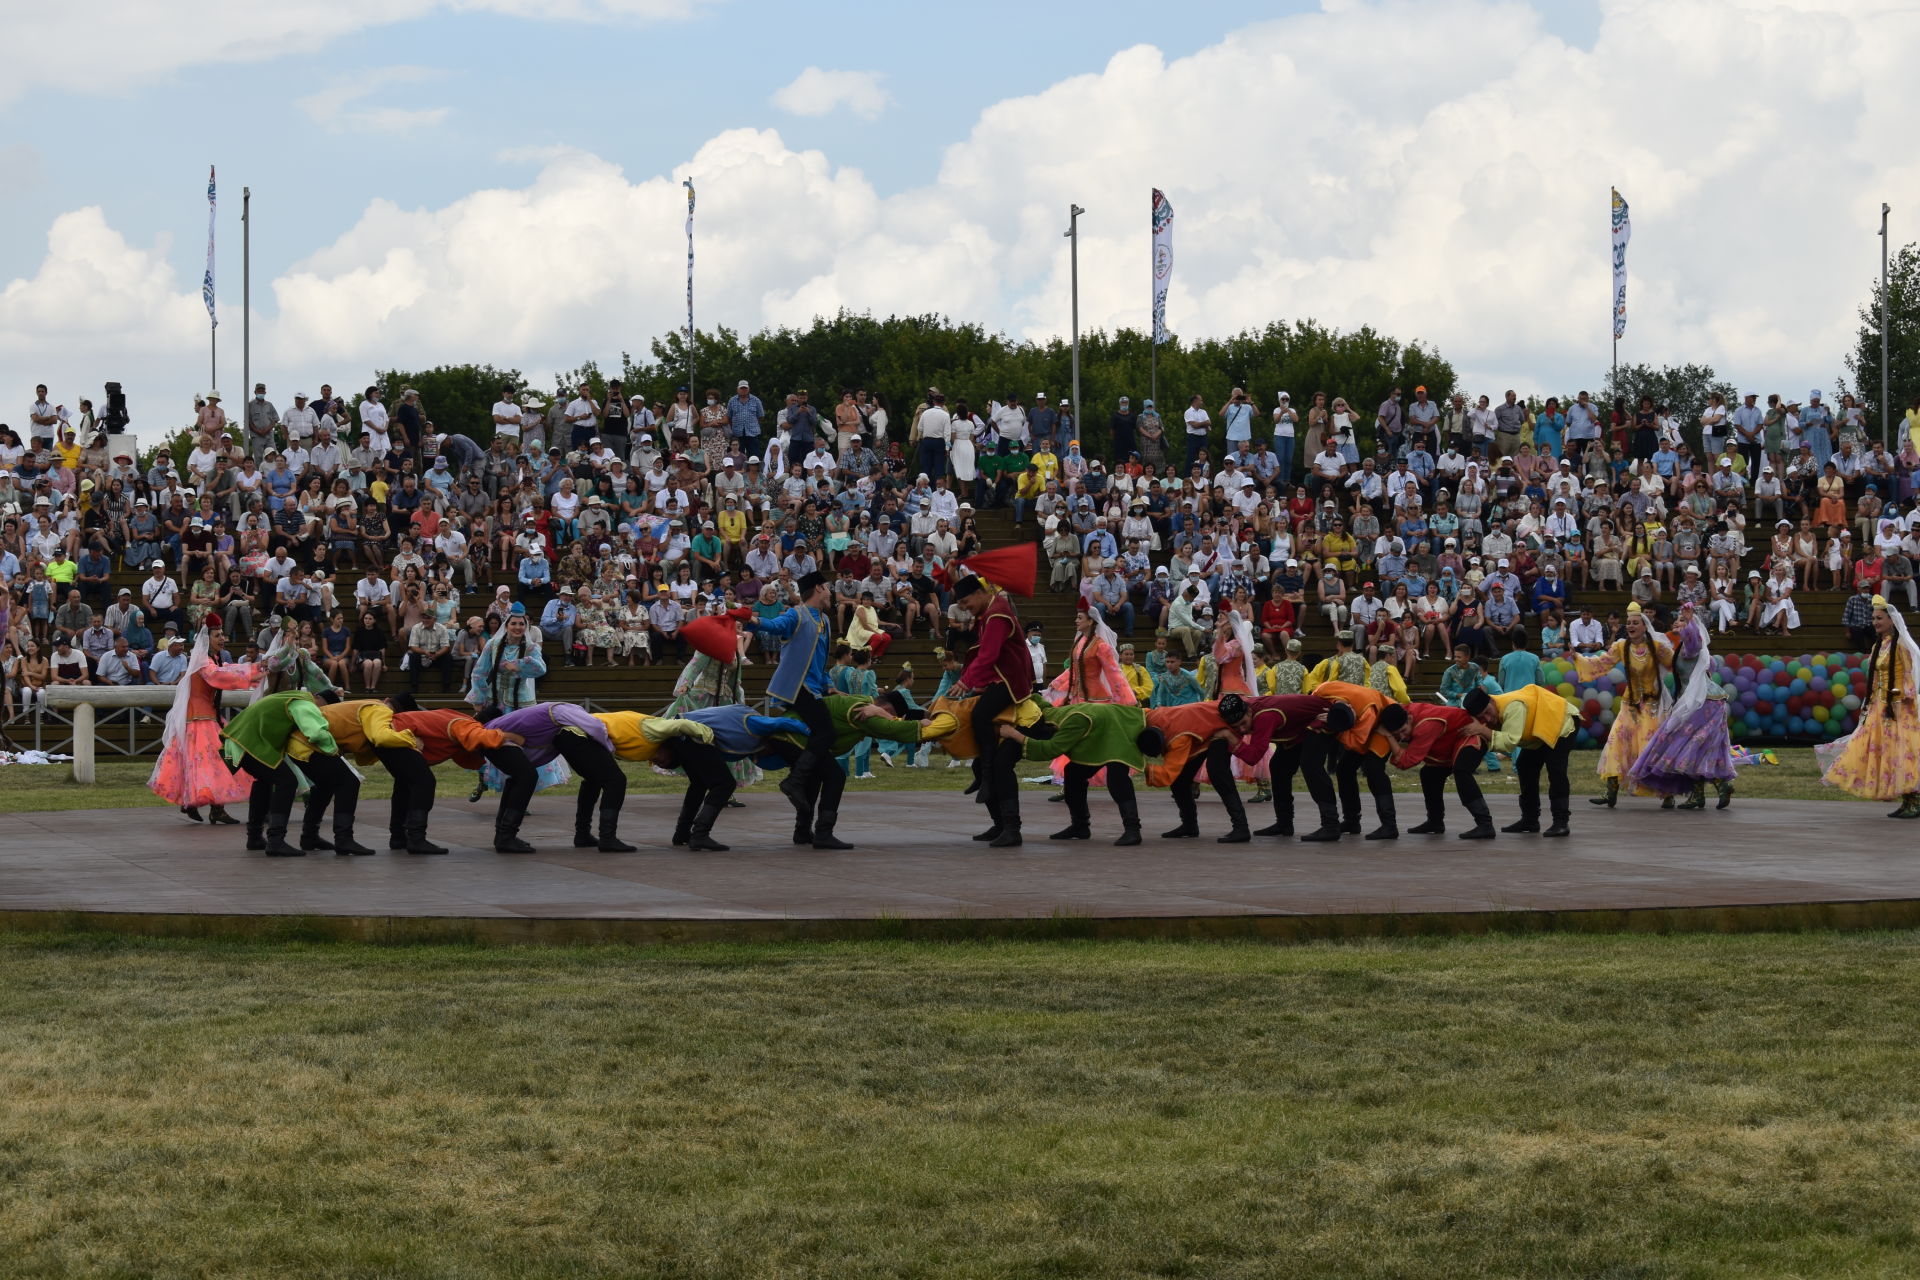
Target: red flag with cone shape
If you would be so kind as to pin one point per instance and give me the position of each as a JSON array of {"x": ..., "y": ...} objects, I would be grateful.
[
  {"x": 1015, "y": 570},
  {"x": 716, "y": 635}
]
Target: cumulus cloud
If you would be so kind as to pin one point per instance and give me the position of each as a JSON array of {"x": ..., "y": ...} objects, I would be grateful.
[
  {"x": 1463, "y": 202},
  {"x": 131, "y": 42},
  {"x": 818, "y": 93},
  {"x": 342, "y": 105}
]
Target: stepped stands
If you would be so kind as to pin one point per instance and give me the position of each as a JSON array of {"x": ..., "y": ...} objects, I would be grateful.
[{"x": 652, "y": 687}]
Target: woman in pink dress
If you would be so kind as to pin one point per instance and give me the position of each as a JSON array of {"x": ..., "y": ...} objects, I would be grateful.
[{"x": 191, "y": 772}]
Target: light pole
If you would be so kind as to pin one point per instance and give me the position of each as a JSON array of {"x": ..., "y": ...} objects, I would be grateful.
[
  {"x": 1073, "y": 234},
  {"x": 1885, "y": 411}
]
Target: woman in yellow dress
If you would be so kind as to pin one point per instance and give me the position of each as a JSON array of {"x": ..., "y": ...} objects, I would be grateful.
[
  {"x": 1640, "y": 706},
  {"x": 1880, "y": 759}
]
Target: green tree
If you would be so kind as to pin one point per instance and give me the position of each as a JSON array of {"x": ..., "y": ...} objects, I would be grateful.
[
  {"x": 457, "y": 398},
  {"x": 1903, "y": 344},
  {"x": 1683, "y": 389},
  {"x": 899, "y": 357}
]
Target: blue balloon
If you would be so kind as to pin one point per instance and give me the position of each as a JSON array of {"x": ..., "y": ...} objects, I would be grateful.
[
  {"x": 1797, "y": 687},
  {"x": 1753, "y": 719}
]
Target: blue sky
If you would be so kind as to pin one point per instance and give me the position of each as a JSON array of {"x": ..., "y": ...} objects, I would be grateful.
[{"x": 642, "y": 95}]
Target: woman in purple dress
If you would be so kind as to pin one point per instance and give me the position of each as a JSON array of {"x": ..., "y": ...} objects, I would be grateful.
[{"x": 1692, "y": 746}]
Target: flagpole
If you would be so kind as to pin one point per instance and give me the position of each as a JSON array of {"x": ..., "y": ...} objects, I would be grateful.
[
  {"x": 206, "y": 293},
  {"x": 246, "y": 296},
  {"x": 1613, "y": 319},
  {"x": 692, "y": 394}
]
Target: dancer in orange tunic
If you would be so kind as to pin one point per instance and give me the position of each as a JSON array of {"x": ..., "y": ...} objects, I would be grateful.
[
  {"x": 1201, "y": 733},
  {"x": 190, "y": 771}
]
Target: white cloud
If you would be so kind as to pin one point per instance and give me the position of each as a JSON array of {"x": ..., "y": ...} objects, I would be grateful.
[
  {"x": 342, "y": 104},
  {"x": 132, "y": 42},
  {"x": 817, "y": 93},
  {"x": 1463, "y": 203}
]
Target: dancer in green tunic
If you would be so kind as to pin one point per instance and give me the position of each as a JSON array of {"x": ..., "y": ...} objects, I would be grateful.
[
  {"x": 255, "y": 741},
  {"x": 1093, "y": 736}
]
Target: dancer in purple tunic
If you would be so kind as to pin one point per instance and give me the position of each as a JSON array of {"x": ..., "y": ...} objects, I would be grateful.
[{"x": 556, "y": 730}]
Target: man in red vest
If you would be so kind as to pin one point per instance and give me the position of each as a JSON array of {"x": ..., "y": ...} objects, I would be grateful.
[
  {"x": 1440, "y": 741},
  {"x": 1301, "y": 728},
  {"x": 1000, "y": 673}
]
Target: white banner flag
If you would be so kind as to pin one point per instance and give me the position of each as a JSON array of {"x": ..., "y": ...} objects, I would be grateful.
[
  {"x": 206, "y": 285},
  {"x": 1622, "y": 232},
  {"x": 1162, "y": 263}
]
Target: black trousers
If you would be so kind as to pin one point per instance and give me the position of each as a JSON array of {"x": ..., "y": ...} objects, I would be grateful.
[
  {"x": 1466, "y": 784},
  {"x": 1308, "y": 759},
  {"x": 521, "y": 777},
  {"x": 413, "y": 785},
  {"x": 998, "y": 758},
  {"x": 1349, "y": 766},
  {"x": 1218, "y": 757},
  {"x": 709, "y": 780},
  {"x": 603, "y": 783},
  {"x": 819, "y": 722},
  {"x": 333, "y": 784},
  {"x": 1559, "y": 794},
  {"x": 443, "y": 664},
  {"x": 1079, "y": 776},
  {"x": 274, "y": 787}
]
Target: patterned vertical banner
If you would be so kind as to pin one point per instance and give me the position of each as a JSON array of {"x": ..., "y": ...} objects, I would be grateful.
[
  {"x": 206, "y": 284},
  {"x": 1622, "y": 232},
  {"x": 689, "y": 185},
  {"x": 1162, "y": 263}
]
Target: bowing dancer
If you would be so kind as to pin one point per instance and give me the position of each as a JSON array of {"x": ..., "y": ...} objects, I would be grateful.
[
  {"x": 439, "y": 734},
  {"x": 190, "y": 772},
  {"x": 1302, "y": 729},
  {"x": 1692, "y": 746},
  {"x": 798, "y": 685},
  {"x": 550, "y": 731},
  {"x": 359, "y": 728},
  {"x": 1093, "y": 736},
  {"x": 1536, "y": 727},
  {"x": 734, "y": 732},
  {"x": 1439, "y": 741},
  {"x": 1364, "y": 748},
  {"x": 1196, "y": 734},
  {"x": 255, "y": 742},
  {"x": 1639, "y": 708},
  {"x": 634, "y": 735},
  {"x": 1880, "y": 759},
  {"x": 999, "y": 674}
]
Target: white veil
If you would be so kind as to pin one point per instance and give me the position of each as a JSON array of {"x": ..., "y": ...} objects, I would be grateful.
[
  {"x": 1907, "y": 644},
  {"x": 182, "y": 695},
  {"x": 1243, "y": 632}
]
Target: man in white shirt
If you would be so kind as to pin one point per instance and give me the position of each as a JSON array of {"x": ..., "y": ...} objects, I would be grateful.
[
  {"x": 1010, "y": 421},
  {"x": 1366, "y": 483},
  {"x": 1329, "y": 464},
  {"x": 1231, "y": 478},
  {"x": 1199, "y": 423},
  {"x": 161, "y": 594},
  {"x": 1588, "y": 634},
  {"x": 324, "y": 457},
  {"x": 583, "y": 417},
  {"x": 506, "y": 415},
  {"x": 821, "y": 457},
  {"x": 300, "y": 422}
]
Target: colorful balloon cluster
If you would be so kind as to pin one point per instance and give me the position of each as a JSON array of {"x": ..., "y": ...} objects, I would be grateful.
[{"x": 1812, "y": 698}]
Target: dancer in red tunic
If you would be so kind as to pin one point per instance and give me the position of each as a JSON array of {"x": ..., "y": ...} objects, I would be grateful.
[
  {"x": 1440, "y": 741},
  {"x": 1000, "y": 674}
]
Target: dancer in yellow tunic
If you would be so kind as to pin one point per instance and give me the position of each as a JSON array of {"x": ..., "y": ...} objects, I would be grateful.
[
  {"x": 1640, "y": 706},
  {"x": 1880, "y": 760}
]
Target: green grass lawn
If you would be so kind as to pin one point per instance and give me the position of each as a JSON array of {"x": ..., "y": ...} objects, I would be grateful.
[
  {"x": 1562, "y": 1106},
  {"x": 25, "y": 789}
]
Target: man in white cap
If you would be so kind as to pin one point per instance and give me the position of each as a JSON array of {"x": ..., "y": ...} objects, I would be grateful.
[{"x": 161, "y": 594}]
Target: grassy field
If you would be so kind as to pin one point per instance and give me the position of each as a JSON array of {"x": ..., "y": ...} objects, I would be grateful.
[
  {"x": 1564, "y": 1106},
  {"x": 26, "y": 789}
]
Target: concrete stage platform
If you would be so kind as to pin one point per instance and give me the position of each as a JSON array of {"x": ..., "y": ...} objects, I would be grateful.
[{"x": 1761, "y": 864}]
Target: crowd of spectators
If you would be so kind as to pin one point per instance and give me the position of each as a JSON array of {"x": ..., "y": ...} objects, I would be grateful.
[{"x": 375, "y": 540}]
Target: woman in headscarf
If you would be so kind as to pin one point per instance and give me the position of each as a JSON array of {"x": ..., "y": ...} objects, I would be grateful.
[
  {"x": 504, "y": 676},
  {"x": 190, "y": 771},
  {"x": 1692, "y": 746},
  {"x": 1640, "y": 706},
  {"x": 1880, "y": 759}
]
